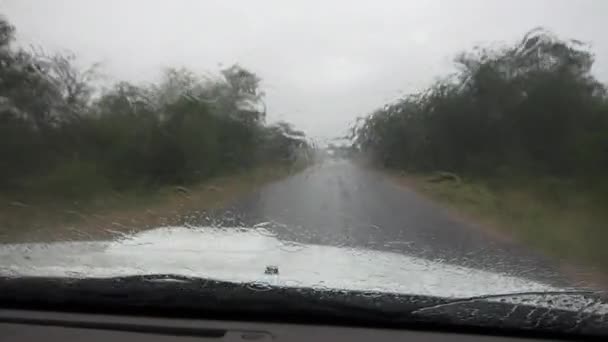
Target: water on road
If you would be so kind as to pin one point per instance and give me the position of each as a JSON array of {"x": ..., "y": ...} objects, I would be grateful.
[{"x": 339, "y": 203}]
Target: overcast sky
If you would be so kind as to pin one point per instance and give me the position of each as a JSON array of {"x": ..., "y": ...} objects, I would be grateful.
[{"x": 323, "y": 63}]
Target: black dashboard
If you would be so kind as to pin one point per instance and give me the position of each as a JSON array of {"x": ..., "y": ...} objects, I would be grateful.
[
  {"x": 23, "y": 325},
  {"x": 163, "y": 308}
]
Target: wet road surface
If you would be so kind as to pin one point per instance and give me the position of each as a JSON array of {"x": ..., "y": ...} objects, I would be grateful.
[{"x": 339, "y": 203}]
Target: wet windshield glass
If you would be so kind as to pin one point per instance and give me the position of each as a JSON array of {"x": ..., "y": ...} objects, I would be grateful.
[{"x": 452, "y": 149}]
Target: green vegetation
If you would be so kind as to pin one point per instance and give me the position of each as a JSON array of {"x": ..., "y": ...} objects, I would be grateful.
[
  {"x": 525, "y": 126},
  {"x": 62, "y": 138},
  {"x": 106, "y": 215},
  {"x": 553, "y": 215},
  {"x": 70, "y": 149}
]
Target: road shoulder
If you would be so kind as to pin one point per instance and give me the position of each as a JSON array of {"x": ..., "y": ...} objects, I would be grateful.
[
  {"x": 110, "y": 216},
  {"x": 525, "y": 221}
]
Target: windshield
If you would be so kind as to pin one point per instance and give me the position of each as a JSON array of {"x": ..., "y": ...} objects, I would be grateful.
[{"x": 445, "y": 149}]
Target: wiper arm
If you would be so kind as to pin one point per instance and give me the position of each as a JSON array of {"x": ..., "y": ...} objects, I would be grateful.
[
  {"x": 580, "y": 312},
  {"x": 535, "y": 293},
  {"x": 596, "y": 295}
]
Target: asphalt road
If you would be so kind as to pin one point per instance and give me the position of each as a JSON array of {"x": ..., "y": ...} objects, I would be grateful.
[{"x": 342, "y": 204}]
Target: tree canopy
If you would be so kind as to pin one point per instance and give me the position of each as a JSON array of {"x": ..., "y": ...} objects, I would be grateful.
[
  {"x": 59, "y": 133},
  {"x": 531, "y": 108}
]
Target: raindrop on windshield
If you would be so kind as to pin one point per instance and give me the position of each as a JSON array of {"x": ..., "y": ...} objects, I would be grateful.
[
  {"x": 259, "y": 286},
  {"x": 265, "y": 232},
  {"x": 289, "y": 246}
]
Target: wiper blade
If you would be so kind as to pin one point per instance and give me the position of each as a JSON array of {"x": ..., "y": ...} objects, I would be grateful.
[
  {"x": 515, "y": 296},
  {"x": 535, "y": 293},
  {"x": 576, "y": 312}
]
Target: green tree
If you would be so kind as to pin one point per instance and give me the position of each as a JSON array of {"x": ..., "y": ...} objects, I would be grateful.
[{"x": 532, "y": 108}]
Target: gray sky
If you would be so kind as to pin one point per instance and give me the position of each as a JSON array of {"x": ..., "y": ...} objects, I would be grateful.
[{"x": 323, "y": 63}]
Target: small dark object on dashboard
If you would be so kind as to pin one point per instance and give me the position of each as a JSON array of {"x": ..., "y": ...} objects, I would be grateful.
[{"x": 270, "y": 269}]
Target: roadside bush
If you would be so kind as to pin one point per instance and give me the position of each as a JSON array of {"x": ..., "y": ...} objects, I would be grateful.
[
  {"x": 527, "y": 111},
  {"x": 72, "y": 179},
  {"x": 59, "y": 135}
]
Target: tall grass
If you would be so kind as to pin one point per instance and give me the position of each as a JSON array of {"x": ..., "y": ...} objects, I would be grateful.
[{"x": 565, "y": 220}]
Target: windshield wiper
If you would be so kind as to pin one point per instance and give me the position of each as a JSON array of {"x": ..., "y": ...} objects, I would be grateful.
[
  {"x": 535, "y": 293},
  {"x": 576, "y": 312},
  {"x": 520, "y": 297}
]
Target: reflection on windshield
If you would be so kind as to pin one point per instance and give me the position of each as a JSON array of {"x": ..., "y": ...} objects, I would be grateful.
[{"x": 423, "y": 149}]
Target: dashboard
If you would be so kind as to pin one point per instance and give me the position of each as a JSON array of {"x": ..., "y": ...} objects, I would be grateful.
[{"x": 26, "y": 325}]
